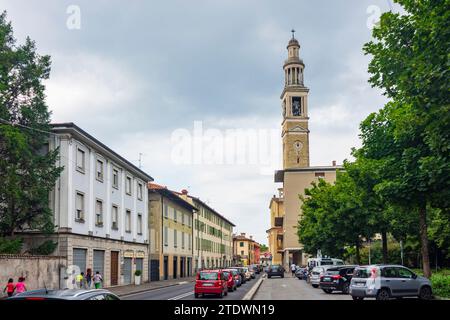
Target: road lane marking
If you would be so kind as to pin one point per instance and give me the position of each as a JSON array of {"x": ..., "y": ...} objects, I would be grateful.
[
  {"x": 181, "y": 296},
  {"x": 149, "y": 291}
]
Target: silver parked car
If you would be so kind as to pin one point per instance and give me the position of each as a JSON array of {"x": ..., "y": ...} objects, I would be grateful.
[
  {"x": 67, "y": 294},
  {"x": 388, "y": 281},
  {"x": 316, "y": 273}
]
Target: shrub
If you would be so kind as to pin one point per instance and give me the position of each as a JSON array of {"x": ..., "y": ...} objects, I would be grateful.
[
  {"x": 45, "y": 249},
  {"x": 10, "y": 246},
  {"x": 137, "y": 273},
  {"x": 441, "y": 285}
]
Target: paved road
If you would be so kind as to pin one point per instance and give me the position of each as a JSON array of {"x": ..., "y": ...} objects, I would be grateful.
[
  {"x": 185, "y": 291},
  {"x": 290, "y": 288}
]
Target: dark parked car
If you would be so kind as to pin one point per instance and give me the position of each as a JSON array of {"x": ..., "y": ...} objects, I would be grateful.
[
  {"x": 241, "y": 273},
  {"x": 275, "y": 271},
  {"x": 337, "y": 279},
  {"x": 301, "y": 273},
  {"x": 67, "y": 294}
]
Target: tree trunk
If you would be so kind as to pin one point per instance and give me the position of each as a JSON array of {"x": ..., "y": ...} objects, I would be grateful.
[
  {"x": 358, "y": 257},
  {"x": 385, "y": 246},
  {"x": 424, "y": 240}
]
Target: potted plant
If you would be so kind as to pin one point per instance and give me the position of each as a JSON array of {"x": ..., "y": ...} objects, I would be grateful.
[{"x": 137, "y": 277}]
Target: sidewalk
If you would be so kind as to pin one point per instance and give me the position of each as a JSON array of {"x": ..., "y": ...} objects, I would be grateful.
[{"x": 131, "y": 288}]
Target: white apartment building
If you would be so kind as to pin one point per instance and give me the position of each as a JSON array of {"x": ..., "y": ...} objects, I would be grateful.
[{"x": 100, "y": 206}]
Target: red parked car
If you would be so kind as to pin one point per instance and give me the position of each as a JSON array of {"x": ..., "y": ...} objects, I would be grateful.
[
  {"x": 231, "y": 282},
  {"x": 211, "y": 282}
]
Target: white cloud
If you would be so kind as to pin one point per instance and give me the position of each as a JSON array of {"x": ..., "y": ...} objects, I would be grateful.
[{"x": 86, "y": 84}]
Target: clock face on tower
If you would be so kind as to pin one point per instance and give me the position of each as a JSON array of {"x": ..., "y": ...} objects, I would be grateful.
[{"x": 296, "y": 106}]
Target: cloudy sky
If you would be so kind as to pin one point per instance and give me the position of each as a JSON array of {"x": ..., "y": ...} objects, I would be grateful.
[{"x": 135, "y": 72}]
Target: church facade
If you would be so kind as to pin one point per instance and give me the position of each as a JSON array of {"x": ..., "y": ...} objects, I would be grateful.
[{"x": 297, "y": 173}]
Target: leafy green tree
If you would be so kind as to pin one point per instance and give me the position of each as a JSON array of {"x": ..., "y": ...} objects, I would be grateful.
[
  {"x": 409, "y": 138},
  {"x": 27, "y": 169},
  {"x": 334, "y": 218}
]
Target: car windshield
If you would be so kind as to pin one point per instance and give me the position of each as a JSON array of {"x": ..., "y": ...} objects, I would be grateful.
[
  {"x": 226, "y": 274},
  {"x": 275, "y": 268},
  {"x": 208, "y": 276},
  {"x": 326, "y": 262}
]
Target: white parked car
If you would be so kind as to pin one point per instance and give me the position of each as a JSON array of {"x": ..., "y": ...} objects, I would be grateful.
[{"x": 316, "y": 273}]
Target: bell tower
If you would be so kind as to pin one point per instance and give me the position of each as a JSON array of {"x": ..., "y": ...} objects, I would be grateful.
[{"x": 294, "y": 100}]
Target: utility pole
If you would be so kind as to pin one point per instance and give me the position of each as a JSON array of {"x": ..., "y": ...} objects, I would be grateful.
[{"x": 401, "y": 250}]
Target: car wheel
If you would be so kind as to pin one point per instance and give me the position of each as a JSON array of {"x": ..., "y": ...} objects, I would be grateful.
[
  {"x": 226, "y": 292},
  {"x": 282, "y": 275},
  {"x": 315, "y": 285},
  {"x": 346, "y": 288},
  {"x": 425, "y": 293},
  {"x": 383, "y": 294},
  {"x": 357, "y": 298},
  {"x": 221, "y": 294},
  {"x": 327, "y": 291},
  {"x": 269, "y": 277},
  {"x": 196, "y": 295}
]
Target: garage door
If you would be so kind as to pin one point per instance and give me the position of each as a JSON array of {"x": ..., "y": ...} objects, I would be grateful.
[
  {"x": 79, "y": 258},
  {"x": 127, "y": 270},
  {"x": 99, "y": 262}
]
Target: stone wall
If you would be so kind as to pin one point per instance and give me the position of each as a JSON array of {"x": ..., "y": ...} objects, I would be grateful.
[{"x": 37, "y": 270}]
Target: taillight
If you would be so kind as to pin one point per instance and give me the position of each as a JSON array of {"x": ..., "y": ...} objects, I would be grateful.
[
  {"x": 336, "y": 277},
  {"x": 218, "y": 283},
  {"x": 34, "y": 298}
]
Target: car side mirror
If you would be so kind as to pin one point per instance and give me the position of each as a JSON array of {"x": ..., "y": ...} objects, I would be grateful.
[{"x": 414, "y": 276}]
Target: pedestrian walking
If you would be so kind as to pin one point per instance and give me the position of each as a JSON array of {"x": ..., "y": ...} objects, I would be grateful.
[
  {"x": 88, "y": 278},
  {"x": 293, "y": 268},
  {"x": 20, "y": 286},
  {"x": 9, "y": 288},
  {"x": 79, "y": 279},
  {"x": 98, "y": 279}
]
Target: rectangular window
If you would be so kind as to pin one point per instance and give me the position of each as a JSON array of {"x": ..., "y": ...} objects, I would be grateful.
[
  {"x": 241, "y": 244},
  {"x": 128, "y": 186},
  {"x": 80, "y": 160},
  {"x": 189, "y": 242},
  {"x": 99, "y": 170},
  {"x": 166, "y": 236},
  {"x": 115, "y": 217},
  {"x": 115, "y": 178},
  {"x": 128, "y": 221},
  {"x": 99, "y": 213},
  {"x": 175, "y": 242},
  {"x": 182, "y": 240},
  {"x": 139, "y": 224},
  {"x": 166, "y": 211},
  {"x": 139, "y": 195},
  {"x": 79, "y": 207},
  {"x": 175, "y": 215},
  {"x": 182, "y": 218}
]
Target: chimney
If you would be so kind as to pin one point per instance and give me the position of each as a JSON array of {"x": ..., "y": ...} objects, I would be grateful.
[
  {"x": 184, "y": 192},
  {"x": 251, "y": 237},
  {"x": 334, "y": 163},
  {"x": 243, "y": 234}
]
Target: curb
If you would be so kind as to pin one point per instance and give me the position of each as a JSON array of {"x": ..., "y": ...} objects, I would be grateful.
[
  {"x": 149, "y": 289},
  {"x": 254, "y": 289}
]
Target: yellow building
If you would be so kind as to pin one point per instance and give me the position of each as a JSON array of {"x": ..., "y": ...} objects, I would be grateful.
[
  {"x": 275, "y": 233},
  {"x": 213, "y": 241},
  {"x": 297, "y": 174},
  {"x": 171, "y": 233},
  {"x": 245, "y": 250}
]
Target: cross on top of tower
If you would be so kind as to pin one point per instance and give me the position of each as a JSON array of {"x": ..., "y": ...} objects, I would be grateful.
[{"x": 293, "y": 33}]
